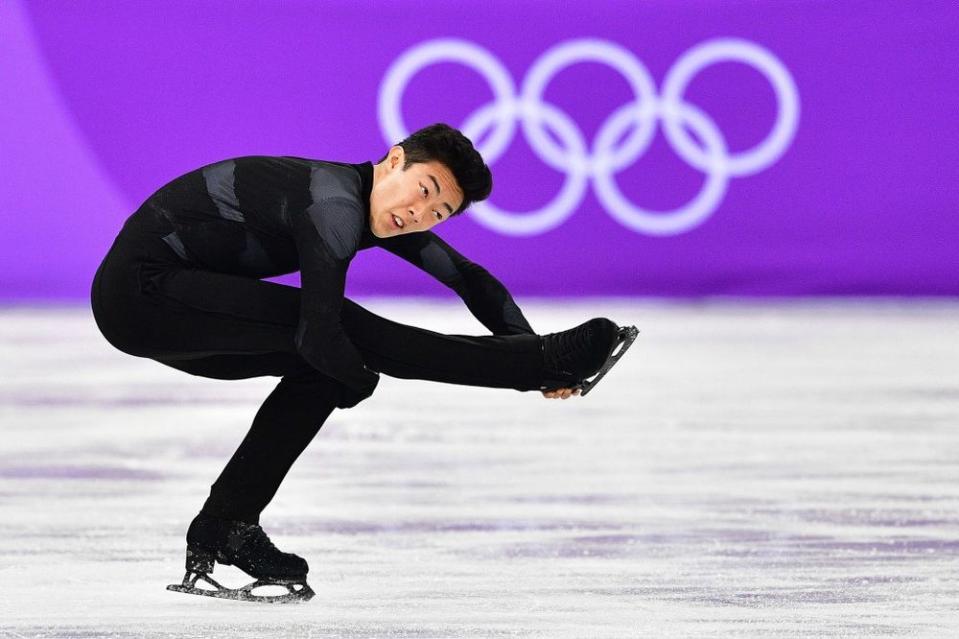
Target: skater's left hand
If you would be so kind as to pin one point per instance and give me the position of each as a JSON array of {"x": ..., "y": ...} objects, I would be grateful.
[{"x": 561, "y": 393}]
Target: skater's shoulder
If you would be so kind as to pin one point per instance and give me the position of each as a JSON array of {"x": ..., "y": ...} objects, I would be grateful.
[
  {"x": 334, "y": 180},
  {"x": 327, "y": 180}
]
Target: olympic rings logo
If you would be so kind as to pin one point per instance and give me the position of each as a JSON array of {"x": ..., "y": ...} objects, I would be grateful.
[{"x": 600, "y": 162}]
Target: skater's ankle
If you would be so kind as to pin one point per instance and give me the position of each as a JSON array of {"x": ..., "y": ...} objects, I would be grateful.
[
  {"x": 222, "y": 516},
  {"x": 570, "y": 356}
]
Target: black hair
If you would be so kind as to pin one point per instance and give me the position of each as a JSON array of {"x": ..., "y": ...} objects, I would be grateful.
[{"x": 444, "y": 144}]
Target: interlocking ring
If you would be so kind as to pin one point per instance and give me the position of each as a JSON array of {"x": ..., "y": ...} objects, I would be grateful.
[{"x": 600, "y": 163}]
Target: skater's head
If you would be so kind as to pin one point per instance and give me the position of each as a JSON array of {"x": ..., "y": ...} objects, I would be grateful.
[{"x": 431, "y": 176}]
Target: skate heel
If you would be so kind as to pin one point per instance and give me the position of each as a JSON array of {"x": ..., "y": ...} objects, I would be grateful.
[
  {"x": 199, "y": 560},
  {"x": 625, "y": 336}
]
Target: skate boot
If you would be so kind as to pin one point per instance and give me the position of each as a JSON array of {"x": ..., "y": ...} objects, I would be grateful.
[
  {"x": 570, "y": 357},
  {"x": 246, "y": 546}
]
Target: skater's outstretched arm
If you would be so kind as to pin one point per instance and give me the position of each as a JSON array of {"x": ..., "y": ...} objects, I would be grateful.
[
  {"x": 484, "y": 295},
  {"x": 325, "y": 249}
]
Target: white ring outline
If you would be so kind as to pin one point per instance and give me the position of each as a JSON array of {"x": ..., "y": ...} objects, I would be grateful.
[
  {"x": 603, "y": 160},
  {"x": 733, "y": 50},
  {"x": 563, "y": 55},
  {"x": 690, "y": 214},
  {"x": 444, "y": 50},
  {"x": 560, "y": 207}
]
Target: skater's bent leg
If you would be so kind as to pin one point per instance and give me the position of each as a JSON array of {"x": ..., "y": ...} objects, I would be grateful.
[
  {"x": 240, "y": 366},
  {"x": 188, "y": 314},
  {"x": 409, "y": 352},
  {"x": 283, "y": 427},
  {"x": 167, "y": 313}
]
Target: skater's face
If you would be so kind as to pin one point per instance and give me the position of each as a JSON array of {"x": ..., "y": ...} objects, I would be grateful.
[{"x": 412, "y": 200}]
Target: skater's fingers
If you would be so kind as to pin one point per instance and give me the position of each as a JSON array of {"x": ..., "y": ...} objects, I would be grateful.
[{"x": 562, "y": 393}]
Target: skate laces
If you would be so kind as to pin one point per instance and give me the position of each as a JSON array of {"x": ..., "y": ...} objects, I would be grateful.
[
  {"x": 568, "y": 347},
  {"x": 250, "y": 538},
  {"x": 261, "y": 540}
]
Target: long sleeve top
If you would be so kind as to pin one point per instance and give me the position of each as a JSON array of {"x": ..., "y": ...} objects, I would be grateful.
[{"x": 262, "y": 216}]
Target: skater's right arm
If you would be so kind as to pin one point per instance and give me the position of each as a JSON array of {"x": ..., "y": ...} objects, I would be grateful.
[
  {"x": 320, "y": 338},
  {"x": 485, "y": 296}
]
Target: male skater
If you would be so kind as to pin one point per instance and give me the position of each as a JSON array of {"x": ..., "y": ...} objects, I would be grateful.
[{"x": 181, "y": 285}]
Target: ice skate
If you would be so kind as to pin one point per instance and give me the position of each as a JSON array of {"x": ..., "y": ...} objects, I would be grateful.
[
  {"x": 590, "y": 349},
  {"x": 246, "y": 546}
]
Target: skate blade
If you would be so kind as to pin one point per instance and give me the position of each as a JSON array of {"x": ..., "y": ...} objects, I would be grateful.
[
  {"x": 299, "y": 591},
  {"x": 625, "y": 337}
]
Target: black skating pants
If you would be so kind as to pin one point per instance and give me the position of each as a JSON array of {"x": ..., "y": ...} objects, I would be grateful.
[{"x": 148, "y": 303}]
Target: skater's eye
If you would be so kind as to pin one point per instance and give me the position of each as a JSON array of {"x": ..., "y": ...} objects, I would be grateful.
[{"x": 426, "y": 192}]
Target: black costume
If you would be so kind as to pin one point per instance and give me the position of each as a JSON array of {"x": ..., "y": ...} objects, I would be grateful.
[{"x": 181, "y": 285}]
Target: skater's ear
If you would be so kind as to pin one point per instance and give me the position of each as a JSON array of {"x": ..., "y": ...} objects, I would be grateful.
[{"x": 396, "y": 158}]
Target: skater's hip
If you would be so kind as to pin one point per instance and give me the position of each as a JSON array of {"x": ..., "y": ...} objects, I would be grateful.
[{"x": 119, "y": 292}]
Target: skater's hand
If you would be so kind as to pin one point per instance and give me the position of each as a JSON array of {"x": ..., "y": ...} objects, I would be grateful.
[{"x": 561, "y": 393}]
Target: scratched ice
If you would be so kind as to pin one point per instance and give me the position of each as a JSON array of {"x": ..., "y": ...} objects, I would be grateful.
[{"x": 749, "y": 469}]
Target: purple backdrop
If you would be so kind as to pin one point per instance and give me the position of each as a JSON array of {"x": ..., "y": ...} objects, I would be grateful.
[{"x": 655, "y": 148}]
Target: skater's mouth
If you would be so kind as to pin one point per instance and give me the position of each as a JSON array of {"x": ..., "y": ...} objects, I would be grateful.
[{"x": 397, "y": 222}]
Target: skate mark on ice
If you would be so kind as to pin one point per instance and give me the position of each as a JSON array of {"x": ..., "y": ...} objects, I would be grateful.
[{"x": 79, "y": 472}]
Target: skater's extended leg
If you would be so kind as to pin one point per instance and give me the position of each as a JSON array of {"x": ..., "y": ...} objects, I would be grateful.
[{"x": 409, "y": 352}]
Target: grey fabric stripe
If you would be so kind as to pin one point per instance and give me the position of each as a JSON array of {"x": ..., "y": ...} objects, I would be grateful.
[
  {"x": 338, "y": 224},
  {"x": 336, "y": 211},
  {"x": 330, "y": 181},
  {"x": 437, "y": 263},
  {"x": 220, "y": 184},
  {"x": 174, "y": 242}
]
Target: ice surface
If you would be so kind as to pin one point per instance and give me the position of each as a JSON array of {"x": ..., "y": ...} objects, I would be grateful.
[{"x": 748, "y": 469}]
